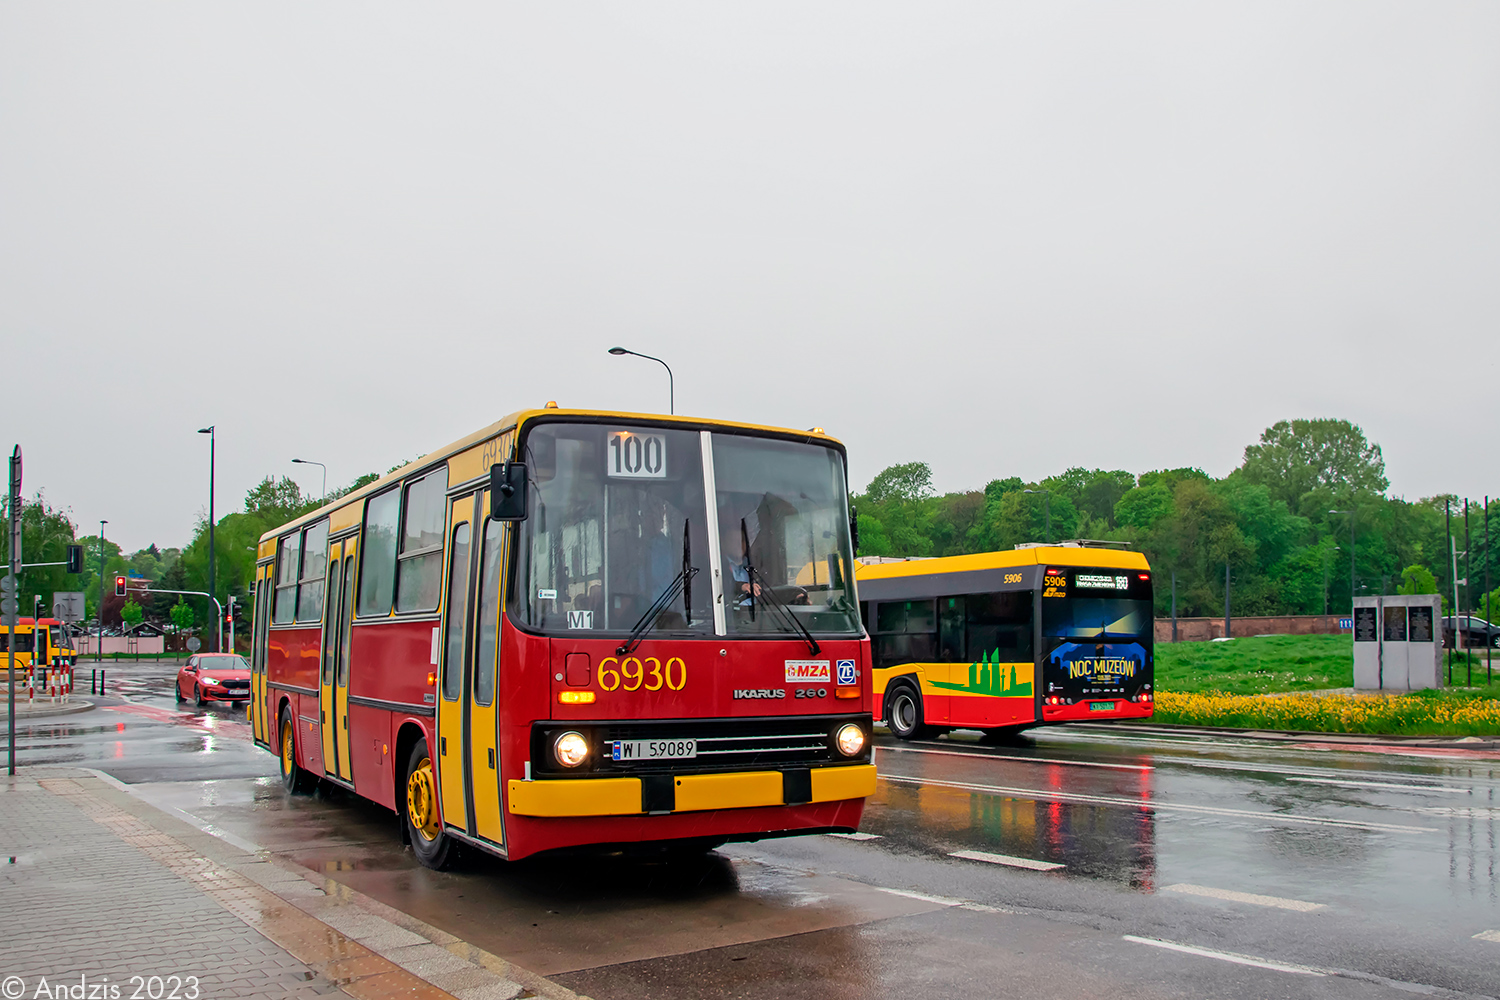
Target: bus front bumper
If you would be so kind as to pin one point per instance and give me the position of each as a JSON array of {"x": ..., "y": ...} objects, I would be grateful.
[{"x": 689, "y": 792}]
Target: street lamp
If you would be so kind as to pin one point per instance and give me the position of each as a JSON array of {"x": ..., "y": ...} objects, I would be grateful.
[
  {"x": 671, "y": 391},
  {"x": 209, "y": 430},
  {"x": 99, "y": 652},
  {"x": 1046, "y": 509},
  {"x": 1352, "y": 552},
  {"x": 303, "y": 461}
]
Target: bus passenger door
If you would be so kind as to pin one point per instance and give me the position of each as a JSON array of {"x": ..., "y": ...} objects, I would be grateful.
[
  {"x": 341, "y": 658},
  {"x": 484, "y": 722},
  {"x": 258, "y": 659},
  {"x": 453, "y": 683},
  {"x": 326, "y": 720}
]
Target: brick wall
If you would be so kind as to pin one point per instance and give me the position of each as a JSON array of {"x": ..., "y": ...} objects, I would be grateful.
[{"x": 1203, "y": 629}]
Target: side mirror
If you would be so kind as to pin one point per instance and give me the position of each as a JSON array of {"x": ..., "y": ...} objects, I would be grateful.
[{"x": 508, "y": 492}]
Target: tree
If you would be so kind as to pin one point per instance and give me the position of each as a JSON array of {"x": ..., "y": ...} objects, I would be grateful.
[
  {"x": 182, "y": 615},
  {"x": 276, "y": 501},
  {"x": 1295, "y": 458},
  {"x": 131, "y": 613},
  {"x": 1417, "y": 580},
  {"x": 906, "y": 483}
]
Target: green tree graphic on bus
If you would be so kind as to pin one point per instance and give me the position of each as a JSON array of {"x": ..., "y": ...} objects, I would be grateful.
[{"x": 990, "y": 676}]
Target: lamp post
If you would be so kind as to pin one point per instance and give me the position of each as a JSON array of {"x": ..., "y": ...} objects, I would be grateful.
[
  {"x": 1046, "y": 511},
  {"x": 209, "y": 430},
  {"x": 671, "y": 390},
  {"x": 1352, "y": 553},
  {"x": 303, "y": 461},
  {"x": 99, "y": 652}
]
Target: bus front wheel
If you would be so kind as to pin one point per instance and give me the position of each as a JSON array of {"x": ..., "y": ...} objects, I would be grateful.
[
  {"x": 293, "y": 778},
  {"x": 423, "y": 827},
  {"x": 903, "y": 714}
]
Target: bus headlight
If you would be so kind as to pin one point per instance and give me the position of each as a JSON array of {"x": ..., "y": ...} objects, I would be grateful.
[
  {"x": 850, "y": 739},
  {"x": 570, "y": 749}
]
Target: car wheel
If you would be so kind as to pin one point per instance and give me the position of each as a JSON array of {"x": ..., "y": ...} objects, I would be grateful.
[
  {"x": 177, "y": 690},
  {"x": 903, "y": 714},
  {"x": 293, "y": 778},
  {"x": 423, "y": 827},
  {"x": 198, "y": 696}
]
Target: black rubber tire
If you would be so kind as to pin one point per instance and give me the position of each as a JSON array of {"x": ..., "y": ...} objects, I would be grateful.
[
  {"x": 177, "y": 690},
  {"x": 434, "y": 849},
  {"x": 293, "y": 778},
  {"x": 198, "y": 697},
  {"x": 903, "y": 713}
]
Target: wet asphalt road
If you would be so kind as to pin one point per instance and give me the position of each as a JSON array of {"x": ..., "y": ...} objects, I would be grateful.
[{"x": 1156, "y": 864}]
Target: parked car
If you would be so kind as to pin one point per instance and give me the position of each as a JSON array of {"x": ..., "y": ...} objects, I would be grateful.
[
  {"x": 1477, "y": 633},
  {"x": 209, "y": 677}
]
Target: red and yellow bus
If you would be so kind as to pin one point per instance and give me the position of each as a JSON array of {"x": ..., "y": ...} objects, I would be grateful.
[
  {"x": 1000, "y": 641},
  {"x": 577, "y": 628}
]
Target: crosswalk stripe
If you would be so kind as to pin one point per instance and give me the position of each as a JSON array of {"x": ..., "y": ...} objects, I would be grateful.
[{"x": 1006, "y": 859}]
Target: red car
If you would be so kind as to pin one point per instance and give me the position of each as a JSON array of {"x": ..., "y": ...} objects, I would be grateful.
[{"x": 214, "y": 677}]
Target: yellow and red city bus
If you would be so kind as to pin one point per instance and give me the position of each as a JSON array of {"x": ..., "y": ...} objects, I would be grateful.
[
  {"x": 577, "y": 628},
  {"x": 33, "y": 634},
  {"x": 1000, "y": 641}
]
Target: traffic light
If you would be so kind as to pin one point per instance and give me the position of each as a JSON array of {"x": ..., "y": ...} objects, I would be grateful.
[
  {"x": 75, "y": 558},
  {"x": 119, "y": 586}
]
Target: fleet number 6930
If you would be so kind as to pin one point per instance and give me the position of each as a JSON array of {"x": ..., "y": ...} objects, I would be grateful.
[{"x": 634, "y": 673}]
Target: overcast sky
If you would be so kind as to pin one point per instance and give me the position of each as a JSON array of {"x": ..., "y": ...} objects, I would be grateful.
[{"x": 1001, "y": 238}]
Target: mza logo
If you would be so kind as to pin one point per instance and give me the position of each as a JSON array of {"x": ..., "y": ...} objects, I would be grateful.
[
  {"x": 847, "y": 673},
  {"x": 580, "y": 619},
  {"x": 807, "y": 671}
]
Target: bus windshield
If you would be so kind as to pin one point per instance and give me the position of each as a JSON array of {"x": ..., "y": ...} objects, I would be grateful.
[
  {"x": 1096, "y": 617},
  {"x": 618, "y": 533}
]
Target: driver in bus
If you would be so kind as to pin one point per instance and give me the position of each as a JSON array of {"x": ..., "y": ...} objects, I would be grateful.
[{"x": 732, "y": 547}]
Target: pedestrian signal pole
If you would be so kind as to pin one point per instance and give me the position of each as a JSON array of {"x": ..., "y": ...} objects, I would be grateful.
[{"x": 12, "y": 592}]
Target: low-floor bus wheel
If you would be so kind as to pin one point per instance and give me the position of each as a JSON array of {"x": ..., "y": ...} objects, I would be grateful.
[
  {"x": 903, "y": 714},
  {"x": 423, "y": 827},
  {"x": 293, "y": 778}
]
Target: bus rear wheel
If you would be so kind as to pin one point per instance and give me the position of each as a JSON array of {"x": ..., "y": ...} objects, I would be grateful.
[
  {"x": 293, "y": 778},
  {"x": 903, "y": 714},
  {"x": 423, "y": 826}
]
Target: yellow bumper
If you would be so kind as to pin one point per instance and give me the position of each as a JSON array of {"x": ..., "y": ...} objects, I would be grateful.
[{"x": 694, "y": 792}]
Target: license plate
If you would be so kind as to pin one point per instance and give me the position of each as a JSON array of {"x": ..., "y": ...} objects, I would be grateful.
[
  {"x": 655, "y": 749},
  {"x": 1101, "y": 706}
]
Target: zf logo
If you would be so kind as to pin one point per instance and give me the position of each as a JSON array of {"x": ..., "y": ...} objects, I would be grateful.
[{"x": 847, "y": 673}]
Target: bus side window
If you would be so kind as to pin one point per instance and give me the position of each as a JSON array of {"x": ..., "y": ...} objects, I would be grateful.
[
  {"x": 1000, "y": 623},
  {"x": 951, "y": 629},
  {"x": 905, "y": 632}
]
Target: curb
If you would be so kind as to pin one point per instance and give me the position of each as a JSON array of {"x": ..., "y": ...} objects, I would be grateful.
[
  {"x": 1311, "y": 736},
  {"x": 45, "y": 711}
]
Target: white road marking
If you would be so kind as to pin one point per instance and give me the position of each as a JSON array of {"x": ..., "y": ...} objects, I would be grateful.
[
  {"x": 1380, "y": 784},
  {"x": 1226, "y": 956},
  {"x": 1027, "y": 760},
  {"x": 1156, "y": 806},
  {"x": 1488, "y": 936},
  {"x": 939, "y": 900},
  {"x": 856, "y": 836},
  {"x": 1245, "y": 897},
  {"x": 1005, "y": 859}
]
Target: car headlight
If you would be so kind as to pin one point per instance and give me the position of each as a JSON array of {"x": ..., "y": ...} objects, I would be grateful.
[
  {"x": 570, "y": 749},
  {"x": 850, "y": 739},
  {"x": 209, "y": 680}
]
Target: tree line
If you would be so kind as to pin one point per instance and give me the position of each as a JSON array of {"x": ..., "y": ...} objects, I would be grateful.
[{"x": 1280, "y": 522}]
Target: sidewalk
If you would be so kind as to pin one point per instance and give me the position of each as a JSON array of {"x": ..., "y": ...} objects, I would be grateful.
[
  {"x": 98, "y": 884},
  {"x": 42, "y": 707}
]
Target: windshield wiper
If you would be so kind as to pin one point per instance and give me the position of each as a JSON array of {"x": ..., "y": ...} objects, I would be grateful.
[
  {"x": 786, "y": 615},
  {"x": 681, "y": 583}
]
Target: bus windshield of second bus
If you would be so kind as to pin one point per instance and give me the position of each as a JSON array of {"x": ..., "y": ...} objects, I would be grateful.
[
  {"x": 1097, "y": 635},
  {"x": 621, "y": 536}
]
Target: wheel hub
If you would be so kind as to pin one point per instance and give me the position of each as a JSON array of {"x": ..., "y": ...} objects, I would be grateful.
[{"x": 421, "y": 800}]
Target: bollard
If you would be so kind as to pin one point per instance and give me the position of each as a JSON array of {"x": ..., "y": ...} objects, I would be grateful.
[
  {"x": 101, "y": 682},
  {"x": 93, "y": 682}
]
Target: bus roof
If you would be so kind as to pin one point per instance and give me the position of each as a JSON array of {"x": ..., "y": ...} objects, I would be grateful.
[
  {"x": 510, "y": 423},
  {"x": 1051, "y": 555}
]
